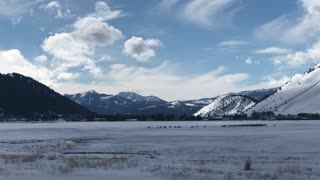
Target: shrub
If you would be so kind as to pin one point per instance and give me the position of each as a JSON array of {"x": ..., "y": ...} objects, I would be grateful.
[{"x": 247, "y": 165}]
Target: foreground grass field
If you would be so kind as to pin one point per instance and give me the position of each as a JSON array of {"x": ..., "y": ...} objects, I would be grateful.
[{"x": 160, "y": 151}]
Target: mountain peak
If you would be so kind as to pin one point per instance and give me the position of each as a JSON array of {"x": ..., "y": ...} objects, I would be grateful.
[
  {"x": 132, "y": 96},
  {"x": 88, "y": 92}
]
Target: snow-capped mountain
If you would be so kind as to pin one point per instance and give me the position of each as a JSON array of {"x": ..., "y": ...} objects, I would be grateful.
[
  {"x": 138, "y": 98},
  {"x": 133, "y": 103},
  {"x": 234, "y": 103},
  {"x": 188, "y": 107},
  {"x": 226, "y": 105},
  {"x": 300, "y": 95},
  {"x": 104, "y": 103}
]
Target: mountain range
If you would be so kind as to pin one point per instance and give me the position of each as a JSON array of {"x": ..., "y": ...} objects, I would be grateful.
[
  {"x": 21, "y": 95},
  {"x": 132, "y": 103}
]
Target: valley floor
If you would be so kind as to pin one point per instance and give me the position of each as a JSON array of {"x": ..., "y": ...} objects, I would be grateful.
[{"x": 144, "y": 151}]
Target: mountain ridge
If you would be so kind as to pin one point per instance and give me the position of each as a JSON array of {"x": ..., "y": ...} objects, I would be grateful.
[
  {"x": 133, "y": 103},
  {"x": 22, "y": 95},
  {"x": 299, "y": 95}
]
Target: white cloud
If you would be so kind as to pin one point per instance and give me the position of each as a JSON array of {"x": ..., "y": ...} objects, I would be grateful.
[
  {"x": 205, "y": 13},
  {"x": 140, "y": 49},
  {"x": 41, "y": 59},
  {"x": 249, "y": 60},
  {"x": 105, "y": 58},
  {"x": 65, "y": 46},
  {"x": 104, "y": 12},
  {"x": 76, "y": 48},
  {"x": 296, "y": 59},
  {"x": 53, "y": 5},
  {"x": 14, "y": 10},
  {"x": 273, "y": 50},
  {"x": 13, "y": 61},
  {"x": 96, "y": 32},
  {"x": 162, "y": 81},
  {"x": 270, "y": 82},
  {"x": 60, "y": 11},
  {"x": 232, "y": 43},
  {"x": 70, "y": 52},
  {"x": 302, "y": 29},
  {"x": 66, "y": 76},
  {"x": 208, "y": 12}
]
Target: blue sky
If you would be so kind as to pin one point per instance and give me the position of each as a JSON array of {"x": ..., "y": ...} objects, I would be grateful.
[{"x": 175, "y": 49}]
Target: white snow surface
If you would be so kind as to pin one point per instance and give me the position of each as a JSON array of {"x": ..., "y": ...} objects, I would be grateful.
[
  {"x": 147, "y": 151},
  {"x": 226, "y": 105},
  {"x": 300, "y": 95},
  {"x": 143, "y": 151}
]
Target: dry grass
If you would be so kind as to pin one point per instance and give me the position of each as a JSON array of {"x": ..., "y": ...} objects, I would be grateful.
[
  {"x": 21, "y": 158},
  {"x": 86, "y": 162},
  {"x": 290, "y": 169}
]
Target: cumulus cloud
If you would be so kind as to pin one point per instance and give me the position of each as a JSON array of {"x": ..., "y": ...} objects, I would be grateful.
[
  {"x": 13, "y": 61},
  {"x": 96, "y": 32},
  {"x": 76, "y": 48},
  {"x": 273, "y": 50},
  {"x": 59, "y": 10},
  {"x": 140, "y": 49},
  {"x": 66, "y": 47},
  {"x": 300, "y": 30},
  {"x": 232, "y": 43}
]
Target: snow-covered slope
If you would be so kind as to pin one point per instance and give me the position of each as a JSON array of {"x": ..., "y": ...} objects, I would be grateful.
[
  {"x": 188, "y": 107},
  {"x": 226, "y": 105},
  {"x": 258, "y": 95},
  {"x": 300, "y": 95}
]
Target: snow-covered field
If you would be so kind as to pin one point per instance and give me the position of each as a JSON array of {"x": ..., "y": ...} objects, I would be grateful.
[{"x": 144, "y": 151}]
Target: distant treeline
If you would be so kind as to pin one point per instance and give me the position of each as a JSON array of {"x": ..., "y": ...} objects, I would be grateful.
[
  {"x": 94, "y": 117},
  {"x": 272, "y": 116},
  {"x": 157, "y": 117}
]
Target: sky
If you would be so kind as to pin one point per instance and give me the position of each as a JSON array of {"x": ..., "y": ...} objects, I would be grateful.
[{"x": 174, "y": 49}]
